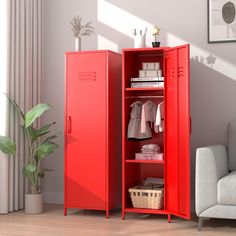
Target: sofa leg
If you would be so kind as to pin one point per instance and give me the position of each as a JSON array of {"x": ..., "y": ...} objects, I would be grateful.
[{"x": 200, "y": 222}]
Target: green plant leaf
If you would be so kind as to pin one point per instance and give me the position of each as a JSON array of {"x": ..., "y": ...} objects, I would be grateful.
[
  {"x": 35, "y": 113},
  {"x": 32, "y": 132},
  {"x": 47, "y": 170},
  {"x": 29, "y": 169},
  {"x": 25, "y": 172},
  {"x": 50, "y": 138},
  {"x": 44, "y": 130},
  {"x": 45, "y": 149},
  {"x": 41, "y": 134},
  {"x": 46, "y": 127},
  {"x": 41, "y": 173},
  {"x": 15, "y": 105},
  {"x": 7, "y": 145}
]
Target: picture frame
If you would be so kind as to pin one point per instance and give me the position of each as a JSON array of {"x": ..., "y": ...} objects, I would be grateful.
[{"x": 221, "y": 21}]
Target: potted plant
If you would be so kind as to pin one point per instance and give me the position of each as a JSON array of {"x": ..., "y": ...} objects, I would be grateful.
[
  {"x": 156, "y": 33},
  {"x": 80, "y": 30},
  {"x": 39, "y": 143}
]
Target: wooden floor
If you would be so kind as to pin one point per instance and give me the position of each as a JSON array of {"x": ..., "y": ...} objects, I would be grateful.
[{"x": 79, "y": 223}]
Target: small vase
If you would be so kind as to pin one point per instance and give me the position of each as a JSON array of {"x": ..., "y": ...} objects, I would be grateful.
[
  {"x": 139, "y": 41},
  {"x": 33, "y": 203},
  {"x": 78, "y": 44},
  {"x": 155, "y": 44}
]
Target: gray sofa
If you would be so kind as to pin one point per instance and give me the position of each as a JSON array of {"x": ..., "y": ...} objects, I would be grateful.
[{"x": 216, "y": 179}]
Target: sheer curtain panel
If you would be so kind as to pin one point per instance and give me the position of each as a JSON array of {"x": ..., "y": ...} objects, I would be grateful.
[{"x": 24, "y": 86}]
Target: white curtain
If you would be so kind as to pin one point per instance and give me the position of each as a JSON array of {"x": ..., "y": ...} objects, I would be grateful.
[{"x": 24, "y": 86}]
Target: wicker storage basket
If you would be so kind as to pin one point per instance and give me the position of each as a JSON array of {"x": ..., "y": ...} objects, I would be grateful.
[{"x": 146, "y": 198}]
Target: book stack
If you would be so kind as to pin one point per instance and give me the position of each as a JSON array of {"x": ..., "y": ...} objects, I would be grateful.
[{"x": 149, "y": 77}]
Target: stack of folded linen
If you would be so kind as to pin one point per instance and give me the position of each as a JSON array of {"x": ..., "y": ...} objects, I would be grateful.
[
  {"x": 150, "y": 152},
  {"x": 151, "y": 148}
]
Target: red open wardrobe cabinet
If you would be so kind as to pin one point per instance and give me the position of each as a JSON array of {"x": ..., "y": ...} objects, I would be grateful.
[
  {"x": 93, "y": 130},
  {"x": 174, "y": 141}
]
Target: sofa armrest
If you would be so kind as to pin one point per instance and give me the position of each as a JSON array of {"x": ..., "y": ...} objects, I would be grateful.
[{"x": 211, "y": 165}]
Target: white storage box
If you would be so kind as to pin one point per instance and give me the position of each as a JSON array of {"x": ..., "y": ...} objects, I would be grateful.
[
  {"x": 142, "y": 73},
  {"x": 149, "y": 156},
  {"x": 157, "y": 66},
  {"x": 151, "y": 66},
  {"x": 151, "y": 73},
  {"x": 159, "y": 73},
  {"x": 148, "y": 66}
]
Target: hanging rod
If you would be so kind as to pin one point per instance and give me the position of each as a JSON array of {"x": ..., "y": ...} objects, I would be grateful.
[{"x": 145, "y": 96}]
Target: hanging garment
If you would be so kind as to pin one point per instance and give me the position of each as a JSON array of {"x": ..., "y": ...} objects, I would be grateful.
[
  {"x": 159, "y": 124},
  {"x": 134, "y": 127},
  {"x": 149, "y": 111}
]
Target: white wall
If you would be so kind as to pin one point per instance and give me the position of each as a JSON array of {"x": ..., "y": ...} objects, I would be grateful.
[{"x": 213, "y": 86}]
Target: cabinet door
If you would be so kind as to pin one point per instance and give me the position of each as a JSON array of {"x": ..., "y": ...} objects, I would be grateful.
[
  {"x": 177, "y": 131},
  {"x": 86, "y": 130}
]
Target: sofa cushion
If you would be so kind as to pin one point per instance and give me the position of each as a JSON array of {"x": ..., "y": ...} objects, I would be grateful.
[
  {"x": 231, "y": 144},
  {"x": 220, "y": 211},
  {"x": 227, "y": 189}
]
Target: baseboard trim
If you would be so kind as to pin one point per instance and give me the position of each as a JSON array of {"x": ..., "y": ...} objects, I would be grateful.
[
  {"x": 58, "y": 198},
  {"x": 53, "y": 197}
]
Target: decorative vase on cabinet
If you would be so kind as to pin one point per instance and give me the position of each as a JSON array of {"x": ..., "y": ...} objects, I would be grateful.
[
  {"x": 93, "y": 130},
  {"x": 78, "y": 44}
]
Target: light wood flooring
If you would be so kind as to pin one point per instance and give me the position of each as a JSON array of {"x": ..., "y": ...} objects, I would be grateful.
[{"x": 86, "y": 223}]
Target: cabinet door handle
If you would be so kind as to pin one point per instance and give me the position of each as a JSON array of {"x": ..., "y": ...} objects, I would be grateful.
[{"x": 68, "y": 124}]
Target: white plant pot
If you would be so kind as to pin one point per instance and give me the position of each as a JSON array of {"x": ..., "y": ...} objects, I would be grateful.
[{"x": 33, "y": 203}]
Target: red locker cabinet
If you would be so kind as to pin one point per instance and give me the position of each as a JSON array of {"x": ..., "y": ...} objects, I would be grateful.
[
  {"x": 174, "y": 140},
  {"x": 93, "y": 130}
]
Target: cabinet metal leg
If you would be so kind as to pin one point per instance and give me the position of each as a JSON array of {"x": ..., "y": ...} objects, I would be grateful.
[
  {"x": 107, "y": 214},
  {"x": 123, "y": 215},
  {"x": 169, "y": 218},
  {"x": 65, "y": 211}
]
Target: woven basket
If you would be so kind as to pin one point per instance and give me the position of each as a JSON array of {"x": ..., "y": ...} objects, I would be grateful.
[{"x": 146, "y": 198}]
